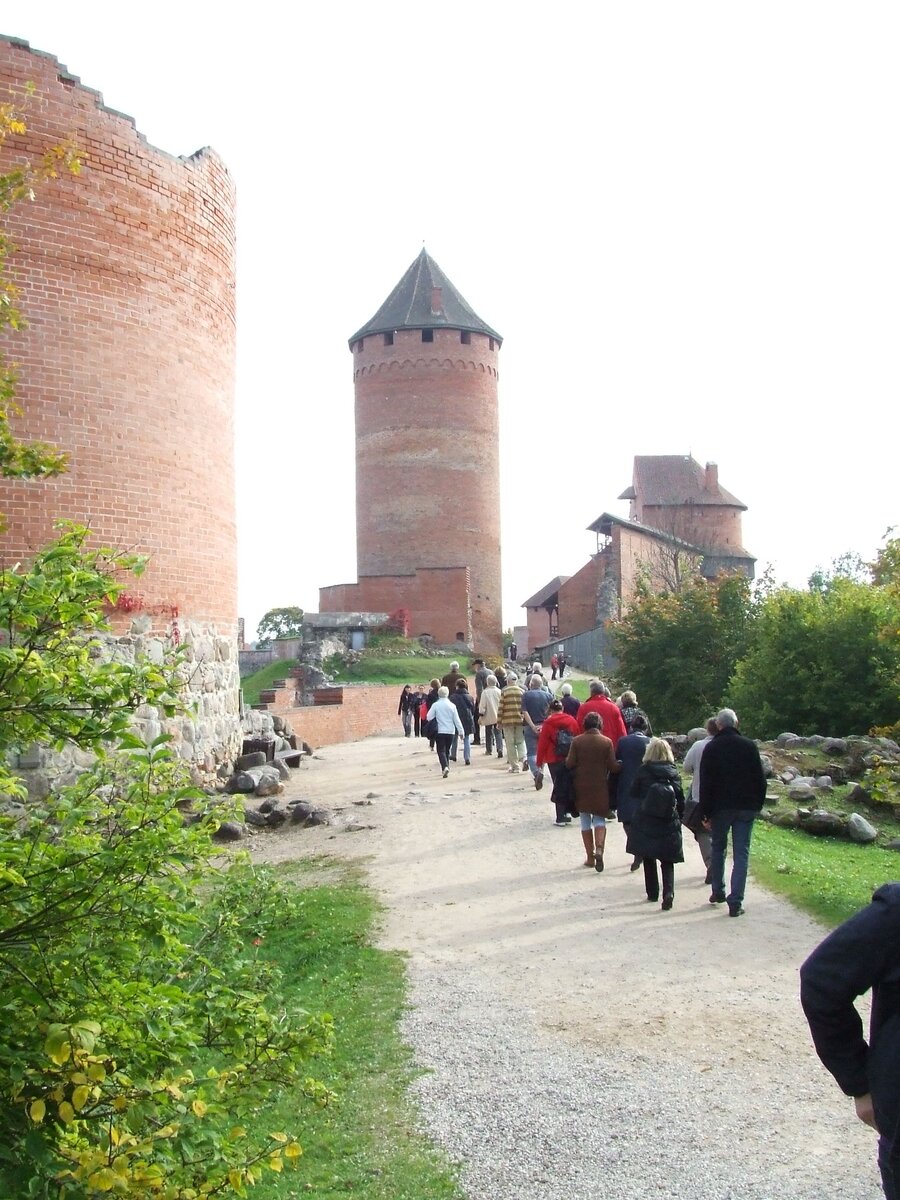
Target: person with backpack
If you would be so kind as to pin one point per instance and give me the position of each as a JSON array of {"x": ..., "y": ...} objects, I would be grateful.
[
  {"x": 630, "y": 752},
  {"x": 555, "y": 738},
  {"x": 592, "y": 759},
  {"x": 655, "y": 831}
]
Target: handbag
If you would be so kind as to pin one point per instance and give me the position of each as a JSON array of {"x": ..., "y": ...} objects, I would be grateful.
[{"x": 692, "y": 819}]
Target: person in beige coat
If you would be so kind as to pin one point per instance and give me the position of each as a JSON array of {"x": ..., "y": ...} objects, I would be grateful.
[
  {"x": 592, "y": 760},
  {"x": 488, "y": 711}
]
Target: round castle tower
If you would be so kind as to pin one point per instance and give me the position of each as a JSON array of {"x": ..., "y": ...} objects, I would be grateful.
[
  {"x": 427, "y": 453},
  {"x": 126, "y": 277}
]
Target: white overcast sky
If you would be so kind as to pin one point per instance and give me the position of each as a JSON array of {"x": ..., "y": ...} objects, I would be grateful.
[{"x": 683, "y": 217}]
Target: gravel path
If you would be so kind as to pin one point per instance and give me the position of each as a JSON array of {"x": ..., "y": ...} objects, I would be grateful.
[{"x": 576, "y": 1042}]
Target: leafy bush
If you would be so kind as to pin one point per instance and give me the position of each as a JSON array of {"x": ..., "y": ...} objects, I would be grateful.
[{"x": 141, "y": 1031}]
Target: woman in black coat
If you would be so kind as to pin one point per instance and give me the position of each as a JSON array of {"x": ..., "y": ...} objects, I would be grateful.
[{"x": 655, "y": 831}]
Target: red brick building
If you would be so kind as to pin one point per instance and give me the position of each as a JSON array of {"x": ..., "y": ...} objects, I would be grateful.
[
  {"x": 427, "y": 464},
  {"x": 681, "y": 520}
]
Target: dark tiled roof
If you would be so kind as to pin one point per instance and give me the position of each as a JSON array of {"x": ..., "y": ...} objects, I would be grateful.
[
  {"x": 548, "y": 592},
  {"x": 414, "y": 304},
  {"x": 673, "y": 479}
]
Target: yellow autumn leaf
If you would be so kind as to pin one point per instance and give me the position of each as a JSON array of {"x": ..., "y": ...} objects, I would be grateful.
[
  {"x": 96, "y": 1072},
  {"x": 37, "y": 1110},
  {"x": 236, "y": 1131},
  {"x": 66, "y": 1113},
  {"x": 235, "y": 1178},
  {"x": 198, "y": 1108},
  {"x": 293, "y": 1151},
  {"x": 120, "y": 1104},
  {"x": 279, "y": 1137},
  {"x": 275, "y": 1163},
  {"x": 80, "y": 1097},
  {"x": 103, "y": 1180},
  {"x": 61, "y": 1051}
]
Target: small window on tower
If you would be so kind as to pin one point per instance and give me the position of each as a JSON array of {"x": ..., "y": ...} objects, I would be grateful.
[
  {"x": 359, "y": 345},
  {"x": 427, "y": 335},
  {"x": 492, "y": 344},
  {"x": 389, "y": 339},
  {"x": 465, "y": 337}
]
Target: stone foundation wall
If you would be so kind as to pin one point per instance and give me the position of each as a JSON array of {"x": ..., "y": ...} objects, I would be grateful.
[{"x": 207, "y": 735}]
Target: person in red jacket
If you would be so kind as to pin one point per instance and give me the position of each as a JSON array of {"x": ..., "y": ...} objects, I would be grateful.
[
  {"x": 599, "y": 702},
  {"x": 547, "y": 752}
]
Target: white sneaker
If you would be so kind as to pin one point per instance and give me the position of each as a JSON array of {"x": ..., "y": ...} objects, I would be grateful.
[{"x": 446, "y": 772}]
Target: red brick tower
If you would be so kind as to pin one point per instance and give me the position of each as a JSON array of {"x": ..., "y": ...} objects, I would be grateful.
[
  {"x": 126, "y": 275},
  {"x": 427, "y": 463}
]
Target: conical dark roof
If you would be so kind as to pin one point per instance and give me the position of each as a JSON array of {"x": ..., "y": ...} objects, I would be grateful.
[{"x": 424, "y": 299}]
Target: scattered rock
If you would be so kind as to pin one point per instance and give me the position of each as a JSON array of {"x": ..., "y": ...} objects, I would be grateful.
[
  {"x": 256, "y": 758},
  {"x": 767, "y": 765},
  {"x": 821, "y": 823},
  {"x": 822, "y": 781},
  {"x": 835, "y": 746},
  {"x": 255, "y": 818},
  {"x": 363, "y": 803},
  {"x": 800, "y": 791},
  {"x": 860, "y": 830},
  {"x": 371, "y": 795},
  {"x": 229, "y": 831}
]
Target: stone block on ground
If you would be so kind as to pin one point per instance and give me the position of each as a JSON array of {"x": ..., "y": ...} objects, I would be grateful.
[{"x": 860, "y": 830}]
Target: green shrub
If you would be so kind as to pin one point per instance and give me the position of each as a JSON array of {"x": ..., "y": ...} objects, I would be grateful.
[{"x": 141, "y": 1034}]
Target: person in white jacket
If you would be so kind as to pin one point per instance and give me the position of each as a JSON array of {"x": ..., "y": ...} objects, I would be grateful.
[
  {"x": 488, "y": 710},
  {"x": 447, "y": 723}
]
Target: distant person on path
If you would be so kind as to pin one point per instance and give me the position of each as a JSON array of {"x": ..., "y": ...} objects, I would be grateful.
[
  {"x": 510, "y": 717},
  {"x": 513, "y": 651},
  {"x": 628, "y": 706},
  {"x": 630, "y": 752},
  {"x": 599, "y": 702},
  {"x": 732, "y": 791},
  {"x": 428, "y": 727},
  {"x": 419, "y": 700},
  {"x": 535, "y": 706},
  {"x": 481, "y": 675},
  {"x": 548, "y": 751},
  {"x": 592, "y": 760},
  {"x": 465, "y": 706},
  {"x": 691, "y": 818},
  {"x": 405, "y": 708},
  {"x": 570, "y": 704},
  {"x": 488, "y": 710},
  {"x": 655, "y": 832},
  {"x": 562, "y": 664},
  {"x": 446, "y": 724},
  {"x": 862, "y": 953},
  {"x": 554, "y": 665},
  {"x": 452, "y": 678}
]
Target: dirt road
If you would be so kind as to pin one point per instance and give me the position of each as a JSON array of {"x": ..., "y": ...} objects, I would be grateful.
[{"x": 475, "y": 876}]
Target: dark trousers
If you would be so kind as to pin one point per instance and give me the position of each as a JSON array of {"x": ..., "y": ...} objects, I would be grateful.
[
  {"x": 890, "y": 1170},
  {"x": 444, "y": 742},
  {"x": 417, "y": 722},
  {"x": 493, "y": 734},
  {"x": 476, "y": 740},
  {"x": 651, "y": 878}
]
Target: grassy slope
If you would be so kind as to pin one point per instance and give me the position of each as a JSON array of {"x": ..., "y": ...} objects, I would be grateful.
[
  {"x": 366, "y": 1144},
  {"x": 264, "y": 678}
]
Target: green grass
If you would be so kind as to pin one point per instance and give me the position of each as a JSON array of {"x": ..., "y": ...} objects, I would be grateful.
[
  {"x": 366, "y": 1144},
  {"x": 400, "y": 669},
  {"x": 827, "y": 877},
  {"x": 264, "y": 678},
  {"x": 580, "y": 688}
]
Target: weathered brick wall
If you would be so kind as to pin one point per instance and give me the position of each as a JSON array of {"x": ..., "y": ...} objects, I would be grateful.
[
  {"x": 127, "y": 281},
  {"x": 427, "y": 463},
  {"x": 365, "y": 710},
  {"x": 438, "y": 601},
  {"x": 126, "y": 277},
  {"x": 704, "y": 525},
  {"x": 578, "y": 599}
]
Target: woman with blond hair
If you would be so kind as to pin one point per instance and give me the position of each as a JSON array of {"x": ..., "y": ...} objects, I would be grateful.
[{"x": 654, "y": 834}]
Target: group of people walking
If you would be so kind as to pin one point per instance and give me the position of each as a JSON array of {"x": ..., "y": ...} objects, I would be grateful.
[{"x": 604, "y": 764}]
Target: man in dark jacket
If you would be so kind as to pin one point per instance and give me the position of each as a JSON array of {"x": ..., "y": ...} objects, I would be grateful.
[
  {"x": 862, "y": 953},
  {"x": 732, "y": 791}
]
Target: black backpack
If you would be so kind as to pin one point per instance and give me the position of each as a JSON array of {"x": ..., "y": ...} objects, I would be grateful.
[
  {"x": 659, "y": 801},
  {"x": 564, "y": 740}
]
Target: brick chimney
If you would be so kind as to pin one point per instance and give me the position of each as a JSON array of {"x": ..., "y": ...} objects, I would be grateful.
[
  {"x": 437, "y": 303},
  {"x": 711, "y": 482}
]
